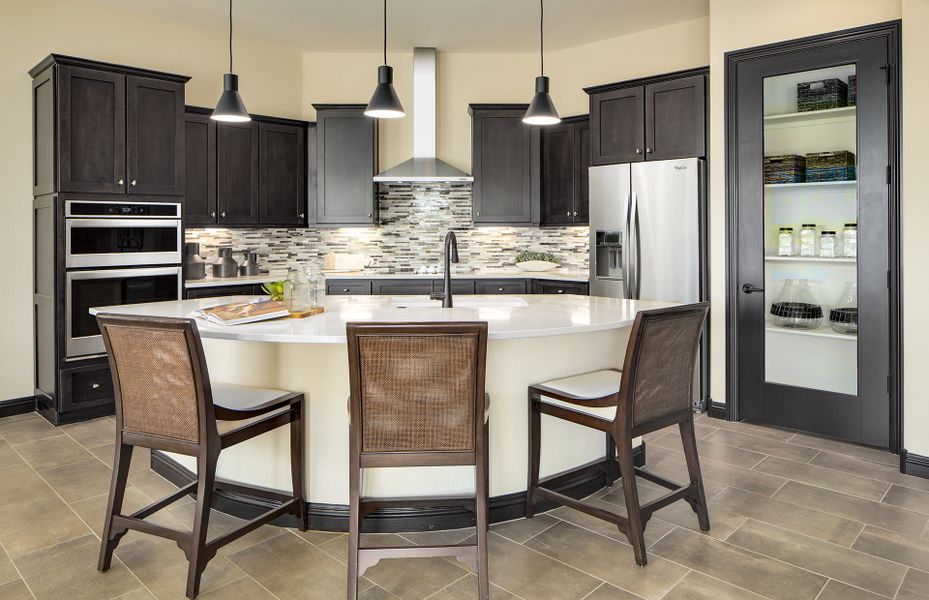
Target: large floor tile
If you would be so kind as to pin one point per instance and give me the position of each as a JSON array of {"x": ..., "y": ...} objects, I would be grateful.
[
  {"x": 788, "y": 516},
  {"x": 141, "y": 457},
  {"x": 7, "y": 571},
  {"x": 93, "y": 510},
  {"x": 153, "y": 484},
  {"x": 466, "y": 589},
  {"x": 915, "y": 586},
  {"x": 610, "y": 592},
  {"x": 836, "y": 481},
  {"x": 72, "y": 567},
  {"x": 853, "y": 507},
  {"x": 867, "y": 468},
  {"x": 864, "y": 452},
  {"x": 79, "y": 480},
  {"x": 51, "y": 452},
  {"x": 697, "y": 586},
  {"x": 21, "y": 482},
  {"x": 607, "y": 560},
  {"x": 162, "y": 566},
  {"x": 709, "y": 450},
  {"x": 291, "y": 568},
  {"x": 27, "y": 430},
  {"x": 221, "y": 524},
  {"x": 830, "y": 560},
  {"x": 8, "y": 456},
  {"x": 766, "y": 431},
  {"x": 441, "y": 537},
  {"x": 15, "y": 590},
  {"x": 245, "y": 588},
  {"x": 836, "y": 590},
  {"x": 520, "y": 530},
  {"x": 318, "y": 538},
  {"x": 654, "y": 530},
  {"x": 35, "y": 523},
  {"x": 762, "y": 445},
  {"x": 19, "y": 417},
  {"x": 530, "y": 574},
  {"x": 740, "y": 567},
  {"x": 139, "y": 594},
  {"x": 894, "y": 546},
  {"x": 907, "y": 498},
  {"x": 724, "y": 474},
  {"x": 92, "y": 433}
]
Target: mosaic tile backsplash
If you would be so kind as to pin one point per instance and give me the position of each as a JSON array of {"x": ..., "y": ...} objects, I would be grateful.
[{"x": 413, "y": 223}]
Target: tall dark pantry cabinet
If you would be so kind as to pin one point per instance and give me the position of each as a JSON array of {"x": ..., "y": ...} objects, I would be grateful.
[
  {"x": 813, "y": 327},
  {"x": 108, "y": 190}
]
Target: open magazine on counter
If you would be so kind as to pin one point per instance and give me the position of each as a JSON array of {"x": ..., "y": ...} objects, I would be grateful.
[{"x": 237, "y": 313}]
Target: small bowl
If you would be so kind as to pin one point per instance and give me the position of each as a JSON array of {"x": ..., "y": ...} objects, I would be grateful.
[{"x": 536, "y": 265}]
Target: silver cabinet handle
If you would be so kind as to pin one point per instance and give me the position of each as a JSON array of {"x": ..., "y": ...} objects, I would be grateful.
[
  {"x": 561, "y": 291},
  {"x": 302, "y": 215},
  {"x": 478, "y": 213},
  {"x": 132, "y": 182},
  {"x": 369, "y": 215},
  {"x": 638, "y": 151},
  {"x": 499, "y": 289},
  {"x": 213, "y": 214},
  {"x": 223, "y": 214},
  {"x": 648, "y": 150},
  {"x": 575, "y": 213},
  {"x": 568, "y": 213},
  {"x": 120, "y": 182},
  {"x": 94, "y": 386},
  {"x": 345, "y": 290}
]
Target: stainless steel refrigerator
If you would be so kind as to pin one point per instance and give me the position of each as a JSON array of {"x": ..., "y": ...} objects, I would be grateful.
[{"x": 648, "y": 234}]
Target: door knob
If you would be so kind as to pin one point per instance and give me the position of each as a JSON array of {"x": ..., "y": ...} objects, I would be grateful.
[{"x": 750, "y": 289}]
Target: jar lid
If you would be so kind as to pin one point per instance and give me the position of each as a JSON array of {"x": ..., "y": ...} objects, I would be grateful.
[
  {"x": 809, "y": 224},
  {"x": 828, "y": 233},
  {"x": 786, "y": 229},
  {"x": 852, "y": 225}
]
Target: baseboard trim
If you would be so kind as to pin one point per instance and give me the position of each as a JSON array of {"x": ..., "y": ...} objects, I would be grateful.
[
  {"x": 248, "y": 502},
  {"x": 914, "y": 464},
  {"x": 17, "y": 406},
  {"x": 716, "y": 410}
]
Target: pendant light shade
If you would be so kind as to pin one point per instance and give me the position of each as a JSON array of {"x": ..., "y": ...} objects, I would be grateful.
[
  {"x": 230, "y": 106},
  {"x": 384, "y": 103},
  {"x": 541, "y": 110}
]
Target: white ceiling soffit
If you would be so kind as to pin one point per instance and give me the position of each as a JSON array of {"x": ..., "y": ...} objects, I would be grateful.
[{"x": 450, "y": 25}]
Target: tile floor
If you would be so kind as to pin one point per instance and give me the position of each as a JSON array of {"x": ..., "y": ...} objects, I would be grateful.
[{"x": 793, "y": 517}]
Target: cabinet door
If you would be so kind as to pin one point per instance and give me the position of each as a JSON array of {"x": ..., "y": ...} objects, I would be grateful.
[
  {"x": 200, "y": 177},
  {"x": 237, "y": 173},
  {"x": 348, "y": 288},
  {"x": 502, "y": 163},
  {"x": 282, "y": 174},
  {"x": 154, "y": 136},
  {"x": 675, "y": 119},
  {"x": 402, "y": 287},
  {"x": 618, "y": 126},
  {"x": 559, "y": 287},
  {"x": 582, "y": 180},
  {"x": 500, "y": 286},
  {"x": 92, "y": 130},
  {"x": 346, "y": 150},
  {"x": 459, "y": 286},
  {"x": 558, "y": 174}
]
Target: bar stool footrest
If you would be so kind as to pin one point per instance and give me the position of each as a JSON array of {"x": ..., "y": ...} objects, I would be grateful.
[{"x": 369, "y": 557}]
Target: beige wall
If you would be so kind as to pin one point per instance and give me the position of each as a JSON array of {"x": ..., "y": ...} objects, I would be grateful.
[{"x": 30, "y": 30}]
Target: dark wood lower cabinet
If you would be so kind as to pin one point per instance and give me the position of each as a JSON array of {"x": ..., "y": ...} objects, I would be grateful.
[
  {"x": 560, "y": 287},
  {"x": 463, "y": 286},
  {"x": 500, "y": 286},
  {"x": 246, "y": 289},
  {"x": 401, "y": 287}
]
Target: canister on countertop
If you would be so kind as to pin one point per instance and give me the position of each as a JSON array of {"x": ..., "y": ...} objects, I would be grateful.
[
  {"x": 225, "y": 266},
  {"x": 194, "y": 265}
]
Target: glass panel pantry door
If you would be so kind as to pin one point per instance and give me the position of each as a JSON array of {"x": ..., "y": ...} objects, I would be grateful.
[{"x": 810, "y": 139}]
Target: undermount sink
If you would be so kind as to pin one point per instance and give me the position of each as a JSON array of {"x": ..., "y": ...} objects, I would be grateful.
[{"x": 460, "y": 302}]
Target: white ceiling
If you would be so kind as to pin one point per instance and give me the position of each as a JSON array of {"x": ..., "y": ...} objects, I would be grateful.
[{"x": 449, "y": 25}]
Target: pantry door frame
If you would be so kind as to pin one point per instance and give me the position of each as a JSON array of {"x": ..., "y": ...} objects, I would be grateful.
[{"x": 879, "y": 420}]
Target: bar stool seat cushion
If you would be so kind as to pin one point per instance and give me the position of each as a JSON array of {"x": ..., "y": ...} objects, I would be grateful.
[
  {"x": 245, "y": 399},
  {"x": 589, "y": 386}
]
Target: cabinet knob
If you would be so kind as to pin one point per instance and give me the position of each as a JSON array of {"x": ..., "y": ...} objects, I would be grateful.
[
  {"x": 568, "y": 213},
  {"x": 575, "y": 213},
  {"x": 369, "y": 215},
  {"x": 213, "y": 214},
  {"x": 94, "y": 386},
  {"x": 132, "y": 182},
  {"x": 344, "y": 290},
  {"x": 223, "y": 214},
  {"x": 499, "y": 289},
  {"x": 648, "y": 151},
  {"x": 561, "y": 291},
  {"x": 302, "y": 215},
  {"x": 478, "y": 213},
  {"x": 120, "y": 182},
  {"x": 638, "y": 151}
]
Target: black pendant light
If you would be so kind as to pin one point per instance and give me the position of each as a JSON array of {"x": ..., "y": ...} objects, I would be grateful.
[
  {"x": 230, "y": 106},
  {"x": 384, "y": 103},
  {"x": 541, "y": 110}
]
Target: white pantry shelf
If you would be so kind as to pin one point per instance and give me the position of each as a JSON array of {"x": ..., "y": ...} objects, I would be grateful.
[
  {"x": 810, "y": 184},
  {"x": 816, "y": 259},
  {"x": 822, "y": 332},
  {"x": 812, "y": 117}
]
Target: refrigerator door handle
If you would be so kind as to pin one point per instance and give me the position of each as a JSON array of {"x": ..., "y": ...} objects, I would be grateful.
[
  {"x": 627, "y": 276},
  {"x": 635, "y": 261}
]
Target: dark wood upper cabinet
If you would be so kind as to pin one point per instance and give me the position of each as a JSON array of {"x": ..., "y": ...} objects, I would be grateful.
[
  {"x": 346, "y": 162},
  {"x": 675, "y": 118},
  {"x": 282, "y": 174},
  {"x": 237, "y": 173},
  {"x": 92, "y": 131},
  {"x": 565, "y": 158},
  {"x": 618, "y": 122},
  {"x": 506, "y": 165},
  {"x": 154, "y": 136},
  {"x": 654, "y": 118},
  {"x": 200, "y": 178}
]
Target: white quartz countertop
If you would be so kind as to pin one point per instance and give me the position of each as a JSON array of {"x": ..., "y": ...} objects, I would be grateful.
[
  {"x": 553, "y": 275},
  {"x": 508, "y": 317}
]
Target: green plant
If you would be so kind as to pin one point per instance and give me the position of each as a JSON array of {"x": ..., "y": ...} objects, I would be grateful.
[
  {"x": 527, "y": 255},
  {"x": 275, "y": 289}
]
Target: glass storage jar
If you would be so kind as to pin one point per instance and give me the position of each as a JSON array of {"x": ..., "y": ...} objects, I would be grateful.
[
  {"x": 796, "y": 307},
  {"x": 827, "y": 246},
  {"x": 299, "y": 290},
  {"x": 850, "y": 240},
  {"x": 785, "y": 241},
  {"x": 844, "y": 317},
  {"x": 808, "y": 239}
]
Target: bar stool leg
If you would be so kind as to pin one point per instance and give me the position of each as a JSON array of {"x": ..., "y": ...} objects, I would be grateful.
[
  {"x": 693, "y": 469},
  {"x": 354, "y": 529},
  {"x": 297, "y": 451},
  {"x": 612, "y": 467},
  {"x": 114, "y": 507},
  {"x": 483, "y": 522},
  {"x": 636, "y": 533},
  {"x": 535, "y": 447},
  {"x": 206, "y": 475}
]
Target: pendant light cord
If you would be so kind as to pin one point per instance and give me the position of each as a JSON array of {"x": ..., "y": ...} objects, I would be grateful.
[
  {"x": 541, "y": 38},
  {"x": 385, "y": 32},
  {"x": 230, "y": 36}
]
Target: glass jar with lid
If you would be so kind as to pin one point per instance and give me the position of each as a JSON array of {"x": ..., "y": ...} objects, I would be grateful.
[
  {"x": 850, "y": 240},
  {"x": 808, "y": 239},
  {"x": 827, "y": 244},
  {"x": 785, "y": 241},
  {"x": 300, "y": 290}
]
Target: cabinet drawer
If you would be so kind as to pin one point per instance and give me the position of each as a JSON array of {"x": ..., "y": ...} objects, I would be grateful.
[
  {"x": 402, "y": 287},
  {"x": 224, "y": 290},
  {"x": 348, "y": 288},
  {"x": 503, "y": 286},
  {"x": 459, "y": 286},
  {"x": 85, "y": 388},
  {"x": 559, "y": 287}
]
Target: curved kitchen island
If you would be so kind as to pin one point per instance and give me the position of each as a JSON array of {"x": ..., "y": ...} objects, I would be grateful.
[{"x": 532, "y": 339}]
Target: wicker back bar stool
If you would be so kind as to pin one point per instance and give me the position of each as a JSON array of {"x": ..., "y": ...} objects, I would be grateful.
[
  {"x": 165, "y": 401},
  {"x": 653, "y": 390},
  {"x": 417, "y": 400}
]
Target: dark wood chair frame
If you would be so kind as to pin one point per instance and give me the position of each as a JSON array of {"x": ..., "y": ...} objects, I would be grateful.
[
  {"x": 194, "y": 543},
  {"x": 474, "y": 555},
  {"x": 620, "y": 431}
]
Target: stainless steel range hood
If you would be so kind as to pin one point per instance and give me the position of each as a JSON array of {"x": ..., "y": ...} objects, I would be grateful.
[{"x": 424, "y": 167}]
